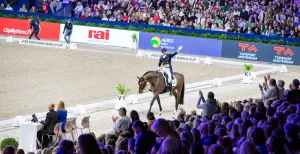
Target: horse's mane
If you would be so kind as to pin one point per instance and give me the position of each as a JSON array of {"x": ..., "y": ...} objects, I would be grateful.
[{"x": 148, "y": 72}]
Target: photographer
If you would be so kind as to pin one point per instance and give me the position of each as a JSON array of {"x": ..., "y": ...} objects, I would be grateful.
[{"x": 209, "y": 106}]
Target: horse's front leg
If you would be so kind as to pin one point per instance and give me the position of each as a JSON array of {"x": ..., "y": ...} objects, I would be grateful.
[
  {"x": 152, "y": 101},
  {"x": 160, "y": 108}
]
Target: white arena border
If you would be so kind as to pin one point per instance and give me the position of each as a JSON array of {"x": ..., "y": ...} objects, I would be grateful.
[{"x": 146, "y": 97}]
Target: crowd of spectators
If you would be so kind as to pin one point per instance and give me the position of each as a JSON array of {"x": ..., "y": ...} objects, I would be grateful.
[
  {"x": 258, "y": 17},
  {"x": 253, "y": 126}
]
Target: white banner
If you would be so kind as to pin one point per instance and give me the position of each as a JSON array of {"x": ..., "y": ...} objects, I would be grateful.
[
  {"x": 50, "y": 44},
  {"x": 187, "y": 59},
  {"x": 102, "y": 36}
]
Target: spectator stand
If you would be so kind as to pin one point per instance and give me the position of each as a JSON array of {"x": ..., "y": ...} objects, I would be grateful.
[{"x": 135, "y": 25}]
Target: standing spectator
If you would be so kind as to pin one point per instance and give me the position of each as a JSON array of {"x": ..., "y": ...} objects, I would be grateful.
[
  {"x": 45, "y": 6},
  {"x": 171, "y": 142},
  {"x": 281, "y": 89},
  {"x": 293, "y": 96},
  {"x": 8, "y": 8},
  {"x": 270, "y": 93},
  {"x": 123, "y": 123},
  {"x": 209, "y": 106},
  {"x": 49, "y": 124},
  {"x": 88, "y": 144},
  {"x": 145, "y": 139},
  {"x": 23, "y": 8},
  {"x": 62, "y": 114},
  {"x": 68, "y": 29}
]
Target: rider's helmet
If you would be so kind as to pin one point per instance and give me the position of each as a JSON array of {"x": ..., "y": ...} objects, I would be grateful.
[{"x": 163, "y": 49}]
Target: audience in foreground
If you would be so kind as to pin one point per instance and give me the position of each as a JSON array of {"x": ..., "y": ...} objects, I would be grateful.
[{"x": 251, "y": 126}]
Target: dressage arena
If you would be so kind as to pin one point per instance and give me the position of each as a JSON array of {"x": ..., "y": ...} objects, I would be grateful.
[{"x": 33, "y": 77}]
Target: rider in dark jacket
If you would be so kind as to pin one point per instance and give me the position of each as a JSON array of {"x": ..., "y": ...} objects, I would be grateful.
[{"x": 165, "y": 63}]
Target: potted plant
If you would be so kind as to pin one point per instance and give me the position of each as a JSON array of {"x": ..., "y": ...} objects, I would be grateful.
[
  {"x": 247, "y": 75},
  {"x": 134, "y": 38},
  {"x": 122, "y": 91},
  {"x": 9, "y": 141}
]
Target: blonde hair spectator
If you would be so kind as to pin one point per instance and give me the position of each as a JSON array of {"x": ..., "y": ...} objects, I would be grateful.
[{"x": 61, "y": 106}]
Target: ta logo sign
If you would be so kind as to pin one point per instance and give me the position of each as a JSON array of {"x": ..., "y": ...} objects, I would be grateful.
[
  {"x": 248, "y": 47},
  {"x": 281, "y": 50}
]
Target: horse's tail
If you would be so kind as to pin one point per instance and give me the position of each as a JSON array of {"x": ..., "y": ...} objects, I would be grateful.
[{"x": 182, "y": 91}]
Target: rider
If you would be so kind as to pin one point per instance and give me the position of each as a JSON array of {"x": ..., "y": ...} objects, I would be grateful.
[{"x": 165, "y": 63}]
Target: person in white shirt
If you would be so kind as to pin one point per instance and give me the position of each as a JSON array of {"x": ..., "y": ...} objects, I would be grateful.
[
  {"x": 78, "y": 9},
  {"x": 269, "y": 93},
  {"x": 23, "y": 9},
  {"x": 112, "y": 18},
  {"x": 104, "y": 17},
  {"x": 8, "y": 8}
]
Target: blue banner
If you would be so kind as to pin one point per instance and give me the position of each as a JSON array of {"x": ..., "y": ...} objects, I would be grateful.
[
  {"x": 279, "y": 54},
  {"x": 191, "y": 45}
]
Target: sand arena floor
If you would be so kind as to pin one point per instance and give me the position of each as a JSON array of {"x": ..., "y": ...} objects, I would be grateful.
[{"x": 33, "y": 77}]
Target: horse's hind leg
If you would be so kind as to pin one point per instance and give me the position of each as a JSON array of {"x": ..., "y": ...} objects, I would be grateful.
[
  {"x": 176, "y": 100},
  {"x": 160, "y": 108}
]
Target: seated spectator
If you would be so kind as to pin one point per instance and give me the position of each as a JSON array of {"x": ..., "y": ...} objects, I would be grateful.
[
  {"x": 123, "y": 123},
  {"x": 145, "y": 139},
  {"x": 275, "y": 145},
  {"x": 8, "y": 8},
  {"x": 215, "y": 149},
  {"x": 259, "y": 140},
  {"x": 209, "y": 106},
  {"x": 49, "y": 124},
  {"x": 292, "y": 136},
  {"x": 2, "y": 7},
  {"x": 66, "y": 147},
  {"x": 196, "y": 148},
  {"x": 33, "y": 9},
  {"x": 293, "y": 96},
  {"x": 20, "y": 151},
  {"x": 248, "y": 148},
  {"x": 23, "y": 8},
  {"x": 151, "y": 119},
  {"x": 62, "y": 114},
  {"x": 88, "y": 144},
  {"x": 9, "y": 150},
  {"x": 131, "y": 144},
  {"x": 171, "y": 142}
]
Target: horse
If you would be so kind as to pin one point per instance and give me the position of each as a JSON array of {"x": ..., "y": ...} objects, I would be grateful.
[{"x": 158, "y": 86}]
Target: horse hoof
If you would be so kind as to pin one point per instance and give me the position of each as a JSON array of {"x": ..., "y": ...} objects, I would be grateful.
[
  {"x": 159, "y": 113},
  {"x": 174, "y": 112}
]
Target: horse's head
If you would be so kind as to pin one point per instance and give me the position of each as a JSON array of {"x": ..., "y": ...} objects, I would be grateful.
[{"x": 142, "y": 84}]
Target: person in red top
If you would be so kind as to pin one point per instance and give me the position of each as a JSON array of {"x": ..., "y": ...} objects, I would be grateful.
[
  {"x": 82, "y": 15},
  {"x": 124, "y": 18},
  {"x": 45, "y": 6},
  {"x": 156, "y": 17}
]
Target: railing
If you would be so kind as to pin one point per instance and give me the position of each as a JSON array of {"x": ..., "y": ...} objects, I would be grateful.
[
  {"x": 64, "y": 11},
  {"x": 122, "y": 24}
]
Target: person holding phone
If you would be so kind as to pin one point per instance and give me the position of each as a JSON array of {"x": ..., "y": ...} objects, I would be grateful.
[{"x": 209, "y": 105}]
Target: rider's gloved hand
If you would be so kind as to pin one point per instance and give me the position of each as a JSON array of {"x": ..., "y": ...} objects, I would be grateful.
[{"x": 179, "y": 48}]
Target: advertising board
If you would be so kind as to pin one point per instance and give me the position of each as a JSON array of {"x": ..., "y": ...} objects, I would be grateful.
[
  {"x": 191, "y": 45},
  {"x": 18, "y": 27},
  {"x": 101, "y": 36},
  {"x": 279, "y": 54}
]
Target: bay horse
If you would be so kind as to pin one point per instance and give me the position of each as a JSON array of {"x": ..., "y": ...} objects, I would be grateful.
[{"x": 158, "y": 86}]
